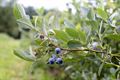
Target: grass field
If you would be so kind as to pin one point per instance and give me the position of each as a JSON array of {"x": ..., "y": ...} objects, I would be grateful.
[{"x": 12, "y": 67}]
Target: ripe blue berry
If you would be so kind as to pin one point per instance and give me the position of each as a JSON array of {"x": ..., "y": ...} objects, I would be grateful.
[
  {"x": 59, "y": 61},
  {"x": 54, "y": 56},
  {"x": 51, "y": 61},
  {"x": 57, "y": 50}
]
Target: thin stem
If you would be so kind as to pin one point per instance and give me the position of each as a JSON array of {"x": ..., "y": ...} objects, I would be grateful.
[
  {"x": 113, "y": 64},
  {"x": 117, "y": 55},
  {"x": 86, "y": 49},
  {"x": 103, "y": 60},
  {"x": 78, "y": 49}
]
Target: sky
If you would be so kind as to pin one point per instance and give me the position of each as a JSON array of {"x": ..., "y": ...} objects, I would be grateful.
[{"x": 47, "y": 4}]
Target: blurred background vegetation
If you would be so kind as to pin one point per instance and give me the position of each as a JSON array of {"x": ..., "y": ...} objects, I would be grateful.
[{"x": 7, "y": 21}]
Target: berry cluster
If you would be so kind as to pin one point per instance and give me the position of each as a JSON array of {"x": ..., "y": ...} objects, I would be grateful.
[{"x": 54, "y": 58}]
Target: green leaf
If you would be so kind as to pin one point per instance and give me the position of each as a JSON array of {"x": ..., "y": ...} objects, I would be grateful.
[
  {"x": 37, "y": 20},
  {"x": 102, "y": 14},
  {"x": 24, "y": 55},
  {"x": 62, "y": 35},
  {"x": 68, "y": 23},
  {"x": 40, "y": 11},
  {"x": 82, "y": 35},
  {"x": 16, "y": 12},
  {"x": 19, "y": 11},
  {"x": 71, "y": 60},
  {"x": 73, "y": 44},
  {"x": 91, "y": 14},
  {"x": 114, "y": 37},
  {"x": 93, "y": 24},
  {"x": 100, "y": 68},
  {"x": 23, "y": 19},
  {"x": 38, "y": 41},
  {"x": 25, "y": 22},
  {"x": 78, "y": 26},
  {"x": 72, "y": 32},
  {"x": 117, "y": 72}
]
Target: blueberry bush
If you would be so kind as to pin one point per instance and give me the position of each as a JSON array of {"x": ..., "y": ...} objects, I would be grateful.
[{"x": 84, "y": 45}]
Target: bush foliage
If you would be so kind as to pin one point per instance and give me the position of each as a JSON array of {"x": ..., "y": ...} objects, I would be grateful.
[{"x": 89, "y": 40}]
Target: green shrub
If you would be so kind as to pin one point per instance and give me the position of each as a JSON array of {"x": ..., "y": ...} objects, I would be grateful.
[{"x": 88, "y": 41}]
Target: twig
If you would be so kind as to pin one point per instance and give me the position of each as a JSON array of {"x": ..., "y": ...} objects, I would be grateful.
[
  {"x": 86, "y": 49},
  {"x": 78, "y": 49}
]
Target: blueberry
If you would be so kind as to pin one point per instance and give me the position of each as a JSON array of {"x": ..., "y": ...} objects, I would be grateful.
[
  {"x": 54, "y": 56},
  {"x": 59, "y": 61},
  {"x": 95, "y": 45},
  {"x": 41, "y": 36},
  {"x": 57, "y": 50},
  {"x": 51, "y": 61}
]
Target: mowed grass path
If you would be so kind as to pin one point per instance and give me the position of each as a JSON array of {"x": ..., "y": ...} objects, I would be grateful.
[{"x": 11, "y": 67}]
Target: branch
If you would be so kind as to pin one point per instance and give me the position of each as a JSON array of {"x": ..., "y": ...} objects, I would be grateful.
[
  {"x": 86, "y": 49},
  {"x": 113, "y": 64}
]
